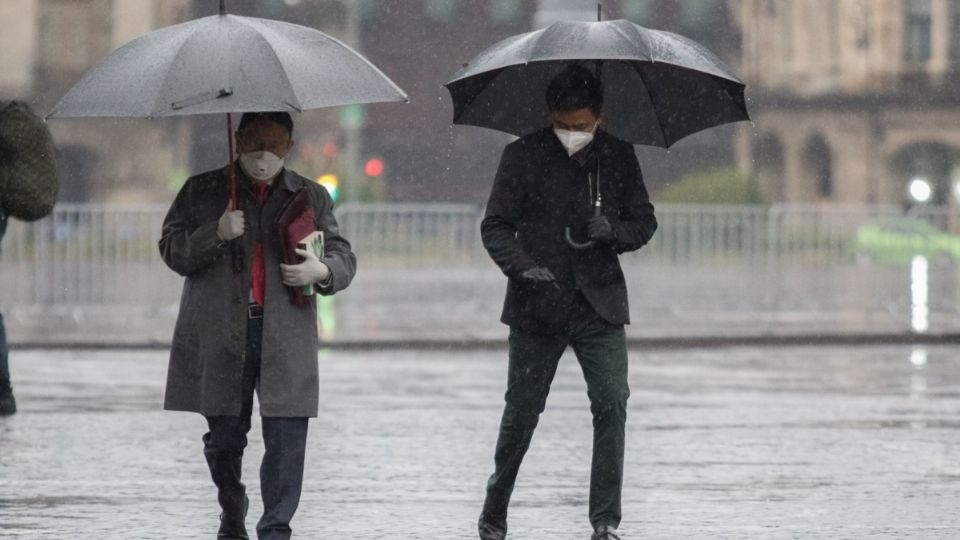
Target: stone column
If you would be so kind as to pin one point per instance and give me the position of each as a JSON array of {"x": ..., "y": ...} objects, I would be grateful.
[
  {"x": 18, "y": 47},
  {"x": 940, "y": 37}
]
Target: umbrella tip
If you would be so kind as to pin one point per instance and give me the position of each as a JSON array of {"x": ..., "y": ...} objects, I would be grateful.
[
  {"x": 223, "y": 7},
  {"x": 599, "y": 11}
]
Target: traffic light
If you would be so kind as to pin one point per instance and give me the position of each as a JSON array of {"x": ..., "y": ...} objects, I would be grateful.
[
  {"x": 374, "y": 167},
  {"x": 331, "y": 183}
]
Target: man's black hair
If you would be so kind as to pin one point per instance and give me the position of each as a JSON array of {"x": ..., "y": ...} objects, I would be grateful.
[
  {"x": 576, "y": 87},
  {"x": 277, "y": 117}
]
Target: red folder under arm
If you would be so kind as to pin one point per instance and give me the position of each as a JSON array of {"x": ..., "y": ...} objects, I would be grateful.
[{"x": 295, "y": 221}]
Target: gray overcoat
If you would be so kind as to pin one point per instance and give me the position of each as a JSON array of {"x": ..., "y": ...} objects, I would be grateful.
[{"x": 206, "y": 360}]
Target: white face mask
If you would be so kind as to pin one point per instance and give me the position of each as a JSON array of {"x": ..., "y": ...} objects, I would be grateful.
[
  {"x": 261, "y": 165},
  {"x": 574, "y": 141}
]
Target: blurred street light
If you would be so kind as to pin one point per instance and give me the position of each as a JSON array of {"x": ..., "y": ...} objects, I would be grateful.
[
  {"x": 331, "y": 183},
  {"x": 920, "y": 189}
]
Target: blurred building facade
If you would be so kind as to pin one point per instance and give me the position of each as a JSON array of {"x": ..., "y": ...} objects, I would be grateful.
[
  {"x": 45, "y": 47},
  {"x": 853, "y": 101}
]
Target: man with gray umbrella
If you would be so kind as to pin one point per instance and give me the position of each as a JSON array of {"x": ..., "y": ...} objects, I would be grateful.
[
  {"x": 566, "y": 291},
  {"x": 237, "y": 332}
]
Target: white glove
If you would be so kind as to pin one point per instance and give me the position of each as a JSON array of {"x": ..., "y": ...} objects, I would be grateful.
[
  {"x": 310, "y": 271},
  {"x": 230, "y": 225}
]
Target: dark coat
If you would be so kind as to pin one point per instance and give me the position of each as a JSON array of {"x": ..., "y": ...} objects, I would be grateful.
[
  {"x": 538, "y": 191},
  {"x": 209, "y": 340}
]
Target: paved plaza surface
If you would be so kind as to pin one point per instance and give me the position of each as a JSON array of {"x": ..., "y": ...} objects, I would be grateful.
[{"x": 738, "y": 443}]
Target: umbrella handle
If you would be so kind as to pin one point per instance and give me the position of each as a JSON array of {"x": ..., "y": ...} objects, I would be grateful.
[
  {"x": 573, "y": 243},
  {"x": 568, "y": 236}
]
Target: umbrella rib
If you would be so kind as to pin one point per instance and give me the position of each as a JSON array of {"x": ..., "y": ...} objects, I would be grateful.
[
  {"x": 476, "y": 95},
  {"x": 653, "y": 107},
  {"x": 293, "y": 91},
  {"x": 362, "y": 58},
  {"x": 623, "y": 34},
  {"x": 173, "y": 61}
]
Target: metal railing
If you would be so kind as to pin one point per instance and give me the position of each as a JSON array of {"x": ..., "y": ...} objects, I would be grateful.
[{"x": 103, "y": 255}]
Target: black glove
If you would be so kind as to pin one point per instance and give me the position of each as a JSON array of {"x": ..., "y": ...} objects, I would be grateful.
[
  {"x": 538, "y": 274},
  {"x": 599, "y": 229}
]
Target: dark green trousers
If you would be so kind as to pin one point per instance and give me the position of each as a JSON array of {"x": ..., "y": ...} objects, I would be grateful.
[{"x": 601, "y": 350}]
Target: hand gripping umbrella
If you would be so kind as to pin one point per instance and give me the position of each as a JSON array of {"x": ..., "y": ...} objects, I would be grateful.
[
  {"x": 224, "y": 64},
  {"x": 659, "y": 87}
]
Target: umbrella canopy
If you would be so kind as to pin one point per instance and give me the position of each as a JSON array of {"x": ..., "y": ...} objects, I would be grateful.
[
  {"x": 224, "y": 64},
  {"x": 227, "y": 63},
  {"x": 658, "y": 86}
]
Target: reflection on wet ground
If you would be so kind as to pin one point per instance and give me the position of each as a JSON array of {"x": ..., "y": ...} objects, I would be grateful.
[{"x": 800, "y": 442}]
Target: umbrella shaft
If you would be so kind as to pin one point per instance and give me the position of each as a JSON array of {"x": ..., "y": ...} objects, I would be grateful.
[{"x": 230, "y": 165}]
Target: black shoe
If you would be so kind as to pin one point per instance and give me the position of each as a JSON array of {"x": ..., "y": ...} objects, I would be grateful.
[
  {"x": 8, "y": 405},
  {"x": 233, "y": 527},
  {"x": 605, "y": 532},
  {"x": 492, "y": 527}
]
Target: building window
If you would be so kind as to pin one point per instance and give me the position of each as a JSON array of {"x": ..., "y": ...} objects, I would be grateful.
[
  {"x": 367, "y": 9},
  {"x": 697, "y": 12},
  {"x": 504, "y": 11},
  {"x": 916, "y": 31},
  {"x": 818, "y": 167},
  {"x": 441, "y": 10},
  {"x": 637, "y": 11}
]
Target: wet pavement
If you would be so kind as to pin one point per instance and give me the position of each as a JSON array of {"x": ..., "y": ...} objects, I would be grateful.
[{"x": 801, "y": 442}]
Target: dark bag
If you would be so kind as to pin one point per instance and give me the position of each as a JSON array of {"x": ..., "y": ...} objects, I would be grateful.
[{"x": 28, "y": 166}]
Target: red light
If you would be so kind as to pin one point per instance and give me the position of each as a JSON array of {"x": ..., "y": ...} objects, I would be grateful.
[
  {"x": 330, "y": 151},
  {"x": 374, "y": 167}
]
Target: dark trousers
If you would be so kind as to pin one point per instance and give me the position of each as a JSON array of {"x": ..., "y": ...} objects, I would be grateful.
[
  {"x": 281, "y": 472},
  {"x": 601, "y": 351},
  {"x": 4, "y": 362}
]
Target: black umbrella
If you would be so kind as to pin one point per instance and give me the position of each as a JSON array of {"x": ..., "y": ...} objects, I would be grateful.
[
  {"x": 223, "y": 64},
  {"x": 659, "y": 87}
]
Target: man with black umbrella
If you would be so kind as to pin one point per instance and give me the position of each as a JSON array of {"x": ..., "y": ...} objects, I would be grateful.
[{"x": 564, "y": 292}]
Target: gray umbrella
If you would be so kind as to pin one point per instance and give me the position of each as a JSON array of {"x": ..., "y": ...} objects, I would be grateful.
[
  {"x": 227, "y": 63},
  {"x": 658, "y": 86},
  {"x": 224, "y": 64}
]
